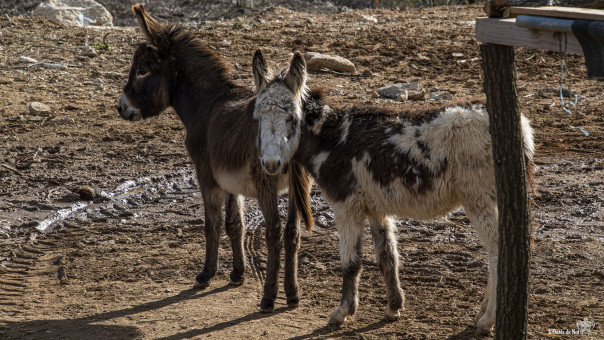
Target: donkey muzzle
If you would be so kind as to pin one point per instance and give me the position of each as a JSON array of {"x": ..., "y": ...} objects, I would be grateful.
[
  {"x": 127, "y": 112},
  {"x": 271, "y": 166}
]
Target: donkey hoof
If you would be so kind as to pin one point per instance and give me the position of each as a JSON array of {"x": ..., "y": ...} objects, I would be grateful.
[
  {"x": 336, "y": 318},
  {"x": 391, "y": 315},
  {"x": 484, "y": 326},
  {"x": 293, "y": 302},
  {"x": 267, "y": 305},
  {"x": 201, "y": 285},
  {"x": 236, "y": 280}
]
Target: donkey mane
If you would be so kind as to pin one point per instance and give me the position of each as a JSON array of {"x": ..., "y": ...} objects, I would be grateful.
[{"x": 178, "y": 43}]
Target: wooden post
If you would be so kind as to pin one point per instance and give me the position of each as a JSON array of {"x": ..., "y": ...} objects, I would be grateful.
[{"x": 512, "y": 197}]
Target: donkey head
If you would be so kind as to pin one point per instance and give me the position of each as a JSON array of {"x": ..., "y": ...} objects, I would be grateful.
[
  {"x": 278, "y": 110},
  {"x": 146, "y": 92}
]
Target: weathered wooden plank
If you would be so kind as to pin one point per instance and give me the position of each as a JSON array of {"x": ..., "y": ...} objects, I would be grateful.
[
  {"x": 500, "y": 8},
  {"x": 559, "y": 12},
  {"x": 506, "y": 32}
]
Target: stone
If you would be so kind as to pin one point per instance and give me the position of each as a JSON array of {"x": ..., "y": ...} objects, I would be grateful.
[
  {"x": 54, "y": 66},
  {"x": 317, "y": 61},
  {"x": 27, "y": 60},
  {"x": 395, "y": 91},
  {"x": 37, "y": 108},
  {"x": 5, "y": 81},
  {"x": 86, "y": 193},
  {"x": 89, "y": 52},
  {"x": 416, "y": 95},
  {"x": 441, "y": 96},
  {"x": 367, "y": 18},
  {"x": 75, "y": 12}
]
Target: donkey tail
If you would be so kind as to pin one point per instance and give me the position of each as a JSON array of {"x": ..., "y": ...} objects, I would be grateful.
[
  {"x": 300, "y": 183},
  {"x": 529, "y": 151}
]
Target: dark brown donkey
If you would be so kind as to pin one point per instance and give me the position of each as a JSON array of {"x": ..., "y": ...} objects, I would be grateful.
[{"x": 174, "y": 68}]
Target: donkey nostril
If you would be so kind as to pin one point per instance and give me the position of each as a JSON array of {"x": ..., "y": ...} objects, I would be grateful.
[{"x": 278, "y": 164}]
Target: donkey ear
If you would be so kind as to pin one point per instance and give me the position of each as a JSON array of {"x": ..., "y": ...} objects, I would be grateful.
[
  {"x": 296, "y": 76},
  {"x": 260, "y": 71},
  {"x": 148, "y": 24}
]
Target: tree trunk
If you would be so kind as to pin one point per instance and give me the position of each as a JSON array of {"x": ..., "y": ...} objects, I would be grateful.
[{"x": 512, "y": 197}]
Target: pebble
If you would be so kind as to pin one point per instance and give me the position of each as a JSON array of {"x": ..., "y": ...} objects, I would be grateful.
[
  {"x": 37, "y": 108},
  {"x": 6, "y": 81},
  {"x": 396, "y": 90},
  {"x": 89, "y": 52},
  {"x": 27, "y": 60},
  {"x": 441, "y": 96},
  {"x": 86, "y": 193},
  {"x": 471, "y": 82}
]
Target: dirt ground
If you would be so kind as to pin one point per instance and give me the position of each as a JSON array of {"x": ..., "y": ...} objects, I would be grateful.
[{"x": 122, "y": 265}]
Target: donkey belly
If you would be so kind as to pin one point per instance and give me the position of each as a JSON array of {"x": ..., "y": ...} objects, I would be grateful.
[
  {"x": 242, "y": 182},
  {"x": 237, "y": 182}
]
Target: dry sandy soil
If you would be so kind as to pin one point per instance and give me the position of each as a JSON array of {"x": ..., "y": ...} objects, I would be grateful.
[{"x": 122, "y": 265}]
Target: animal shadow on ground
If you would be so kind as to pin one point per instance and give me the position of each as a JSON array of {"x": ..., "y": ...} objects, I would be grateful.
[{"x": 65, "y": 329}]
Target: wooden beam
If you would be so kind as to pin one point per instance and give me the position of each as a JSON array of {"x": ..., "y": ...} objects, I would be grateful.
[
  {"x": 501, "y": 8},
  {"x": 558, "y": 12},
  {"x": 512, "y": 196},
  {"x": 506, "y": 32}
]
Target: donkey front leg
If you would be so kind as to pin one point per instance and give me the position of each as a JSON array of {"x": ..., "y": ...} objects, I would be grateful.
[
  {"x": 235, "y": 228},
  {"x": 292, "y": 246},
  {"x": 386, "y": 253},
  {"x": 212, "y": 200},
  {"x": 274, "y": 232},
  {"x": 350, "y": 229}
]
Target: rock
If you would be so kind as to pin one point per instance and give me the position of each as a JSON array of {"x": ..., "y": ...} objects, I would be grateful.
[
  {"x": 37, "y": 108},
  {"x": 367, "y": 18},
  {"x": 76, "y": 12},
  {"x": 89, "y": 52},
  {"x": 401, "y": 89},
  {"x": 54, "y": 66},
  {"x": 86, "y": 193},
  {"x": 27, "y": 60},
  {"x": 441, "y": 96},
  {"x": 416, "y": 95},
  {"x": 471, "y": 82},
  {"x": 316, "y": 61},
  {"x": 5, "y": 81}
]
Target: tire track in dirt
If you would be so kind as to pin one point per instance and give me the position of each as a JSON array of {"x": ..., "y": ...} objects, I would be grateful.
[
  {"x": 256, "y": 258},
  {"x": 17, "y": 273}
]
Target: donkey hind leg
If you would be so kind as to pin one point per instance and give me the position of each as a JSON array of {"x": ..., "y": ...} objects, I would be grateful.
[
  {"x": 483, "y": 215},
  {"x": 350, "y": 231},
  {"x": 267, "y": 199},
  {"x": 212, "y": 200},
  {"x": 235, "y": 228},
  {"x": 292, "y": 246},
  {"x": 387, "y": 258}
]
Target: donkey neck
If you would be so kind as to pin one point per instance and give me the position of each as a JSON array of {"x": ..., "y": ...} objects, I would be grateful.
[{"x": 195, "y": 91}]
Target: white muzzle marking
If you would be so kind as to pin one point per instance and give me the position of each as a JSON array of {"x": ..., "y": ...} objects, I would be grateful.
[{"x": 127, "y": 112}]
